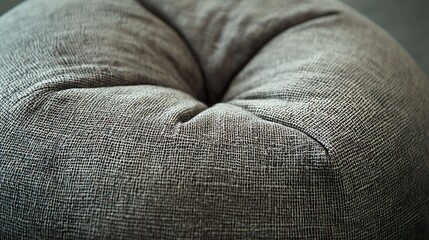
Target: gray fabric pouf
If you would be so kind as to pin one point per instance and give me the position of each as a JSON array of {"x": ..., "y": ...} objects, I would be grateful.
[{"x": 188, "y": 119}]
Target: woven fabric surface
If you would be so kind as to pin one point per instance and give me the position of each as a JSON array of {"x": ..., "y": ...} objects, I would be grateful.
[{"x": 188, "y": 119}]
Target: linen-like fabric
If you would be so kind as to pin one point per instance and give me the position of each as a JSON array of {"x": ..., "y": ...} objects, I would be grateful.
[{"x": 279, "y": 119}]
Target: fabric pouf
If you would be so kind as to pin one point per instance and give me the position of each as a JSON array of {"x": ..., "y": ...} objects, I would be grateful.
[{"x": 186, "y": 119}]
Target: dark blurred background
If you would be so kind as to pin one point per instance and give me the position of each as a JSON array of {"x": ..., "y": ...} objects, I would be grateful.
[{"x": 406, "y": 20}]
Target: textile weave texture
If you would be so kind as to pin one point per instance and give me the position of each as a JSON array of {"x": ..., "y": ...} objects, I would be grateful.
[{"x": 277, "y": 119}]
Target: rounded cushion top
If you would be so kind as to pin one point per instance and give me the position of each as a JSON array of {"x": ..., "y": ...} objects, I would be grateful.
[{"x": 208, "y": 119}]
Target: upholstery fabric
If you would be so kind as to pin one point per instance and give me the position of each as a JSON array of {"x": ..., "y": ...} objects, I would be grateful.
[{"x": 277, "y": 119}]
